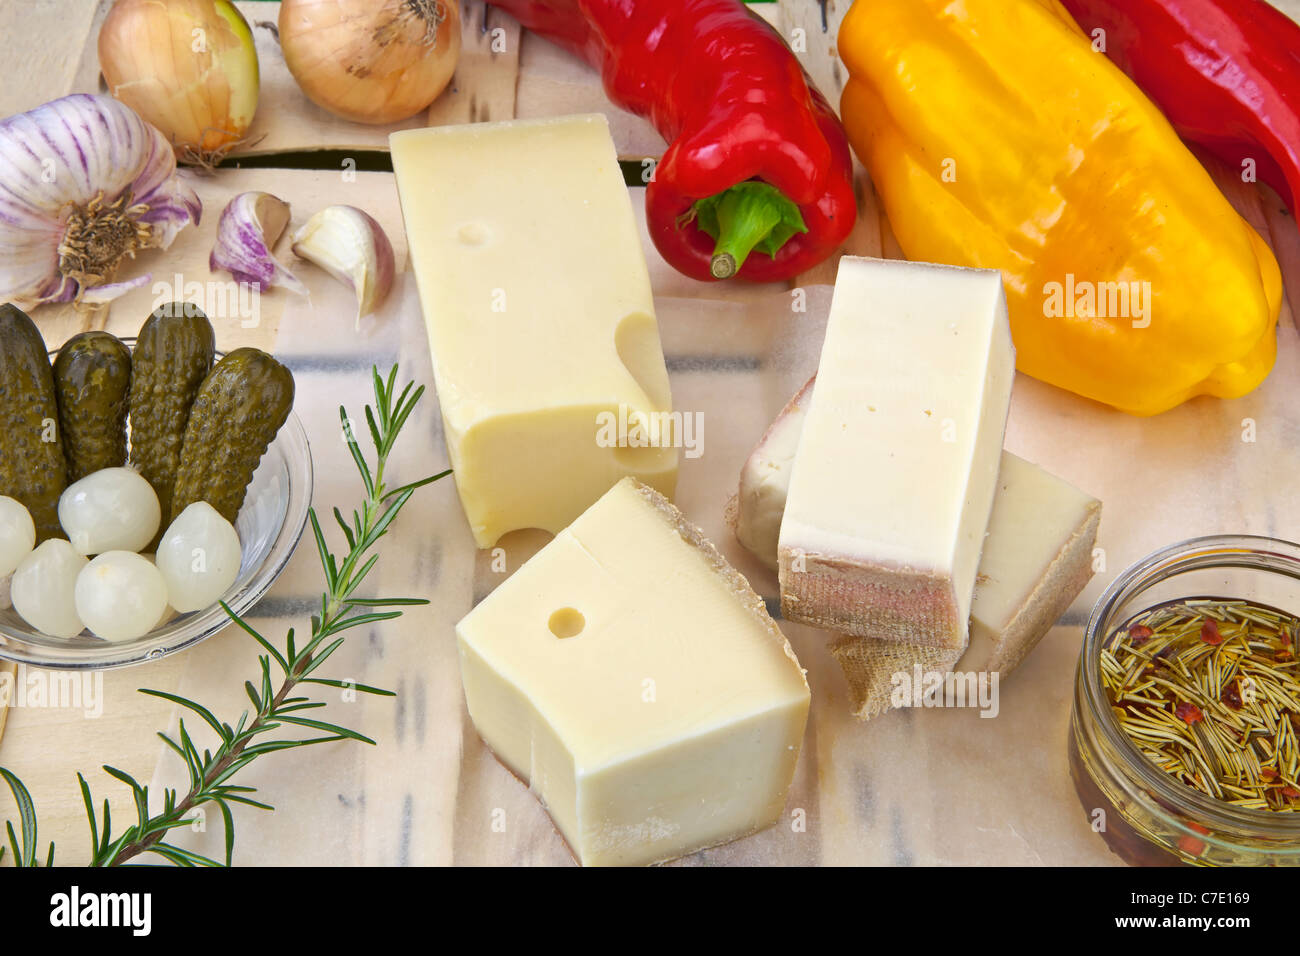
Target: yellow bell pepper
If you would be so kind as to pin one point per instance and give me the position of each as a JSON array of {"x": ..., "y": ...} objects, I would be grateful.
[{"x": 998, "y": 138}]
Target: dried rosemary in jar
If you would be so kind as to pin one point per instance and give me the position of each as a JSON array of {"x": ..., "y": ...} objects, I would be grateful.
[{"x": 1208, "y": 690}]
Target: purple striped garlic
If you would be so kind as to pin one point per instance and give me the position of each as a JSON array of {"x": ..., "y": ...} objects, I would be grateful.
[
  {"x": 250, "y": 226},
  {"x": 85, "y": 183}
]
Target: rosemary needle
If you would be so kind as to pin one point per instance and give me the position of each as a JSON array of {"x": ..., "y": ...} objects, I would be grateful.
[{"x": 1207, "y": 689}]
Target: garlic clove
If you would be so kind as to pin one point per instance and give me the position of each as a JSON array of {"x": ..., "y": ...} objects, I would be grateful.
[
  {"x": 353, "y": 248},
  {"x": 248, "y": 230}
]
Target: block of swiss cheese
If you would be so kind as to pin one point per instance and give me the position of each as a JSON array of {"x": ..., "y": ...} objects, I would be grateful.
[
  {"x": 638, "y": 684},
  {"x": 541, "y": 323}
]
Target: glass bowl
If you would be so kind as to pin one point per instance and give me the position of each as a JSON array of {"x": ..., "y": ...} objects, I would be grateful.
[
  {"x": 1146, "y": 816},
  {"x": 270, "y": 525}
]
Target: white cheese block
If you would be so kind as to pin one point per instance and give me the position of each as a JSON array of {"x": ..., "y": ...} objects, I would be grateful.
[
  {"x": 756, "y": 511},
  {"x": 540, "y": 318},
  {"x": 1037, "y": 558},
  {"x": 897, "y": 464},
  {"x": 637, "y": 683}
]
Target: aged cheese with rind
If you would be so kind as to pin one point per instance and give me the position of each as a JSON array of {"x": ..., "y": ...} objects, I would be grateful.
[
  {"x": 638, "y": 684},
  {"x": 1037, "y": 558},
  {"x": 897, "y": 463},
  {"x": 537, "y": 301}
]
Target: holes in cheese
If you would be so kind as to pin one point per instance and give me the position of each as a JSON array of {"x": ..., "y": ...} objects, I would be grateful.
[
  {"x": 895, "y": 472},
  {"x": 539, "y": 313},
  {"x": 567, "y": 622},
  {"x": 673, "y": 722}
]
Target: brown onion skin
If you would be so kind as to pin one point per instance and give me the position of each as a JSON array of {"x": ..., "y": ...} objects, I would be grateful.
[
  {"x": 146, "y": 53},
  {"x": 325, "y": 47}
]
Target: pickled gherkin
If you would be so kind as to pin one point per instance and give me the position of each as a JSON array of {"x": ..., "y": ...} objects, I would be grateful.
[
  {"x": 173, "y": 355},
  {"x": 238, "y": 410},
  {"x": 92, "y": 380},
  {"x": 33, "y": 470}
]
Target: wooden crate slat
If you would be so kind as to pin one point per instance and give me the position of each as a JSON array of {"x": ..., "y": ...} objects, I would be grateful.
[
  {"x": 553, "y": 82},
  {"x": 50, "y": 36},
  {"x": 1283, "y": 236},
  {"x": 483, "y": 88}
]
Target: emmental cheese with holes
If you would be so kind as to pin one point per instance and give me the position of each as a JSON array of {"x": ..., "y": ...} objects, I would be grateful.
[
  {"x": 637, "y": 683},
  {"x": 897, "y": 463},
  {"x": 537, "y": 300}
]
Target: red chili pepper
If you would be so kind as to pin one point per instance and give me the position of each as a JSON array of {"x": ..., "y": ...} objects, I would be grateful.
[
  {"x": 1188, "y": 713},
  {"x": 1225, "y": 72},
  {"x": 1210, "y": 632},
  {"x": 1231, "y": 696},
  {"x": 737, "y": 110},
  {"x": 1189, "y": 844},
  {"x": 1139, "y": 634}
]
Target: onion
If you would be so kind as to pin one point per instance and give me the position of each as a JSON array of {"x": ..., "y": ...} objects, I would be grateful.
[
  {"x": 371, "y": 61},
  {"x": 189, "y": 67},
  {"x": 120, "y": 596}
]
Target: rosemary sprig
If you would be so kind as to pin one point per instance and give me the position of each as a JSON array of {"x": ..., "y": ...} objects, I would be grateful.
[
  {"x": 1208, "y": 691},
  {"x": 211, "y": 772}
]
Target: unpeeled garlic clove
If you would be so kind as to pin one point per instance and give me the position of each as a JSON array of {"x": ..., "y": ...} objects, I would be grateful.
[
  {"x": 250, "y": 226},
  {"x": 349, "y": 245}
]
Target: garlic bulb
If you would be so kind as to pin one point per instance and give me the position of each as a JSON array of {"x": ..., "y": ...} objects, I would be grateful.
[
  {"x": 250, "y": 226},
  {"x": 353, "y": 248},
  {"x": 84, "y": 184}
]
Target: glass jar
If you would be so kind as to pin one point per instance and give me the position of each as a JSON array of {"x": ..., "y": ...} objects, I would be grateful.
[{"x": 1146, "y": 816}]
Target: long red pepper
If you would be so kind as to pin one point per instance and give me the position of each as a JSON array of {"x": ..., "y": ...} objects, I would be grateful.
[
  {"x": 1225, "y": 72},
  {"x": 750, "y": 139}
]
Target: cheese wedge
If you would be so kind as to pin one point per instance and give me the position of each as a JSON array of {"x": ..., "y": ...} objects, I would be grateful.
[
  {"x": 897, "y": 464},
  {"x": 541, "y": 324},
  {"x": 638, "y": 685},
  {"x": 1037, "y": 558},
  {"x": 756, "y": 511}
]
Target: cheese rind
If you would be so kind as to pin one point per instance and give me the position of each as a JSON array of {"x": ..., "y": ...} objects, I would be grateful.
[
  {"x": 756, "y": 511},
  {"x": 897, "y": 463},
  {"x": 539, "y": 312},
  {"x": 672, "y": 720}
]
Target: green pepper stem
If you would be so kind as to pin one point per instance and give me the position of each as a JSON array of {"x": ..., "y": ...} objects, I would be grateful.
[
  {"x": 747, "y": 216},
  {"x": 744, "y": 220}
]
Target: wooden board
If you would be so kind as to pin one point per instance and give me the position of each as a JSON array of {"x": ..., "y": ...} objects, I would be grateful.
[{"x": 54, "y": 43}]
